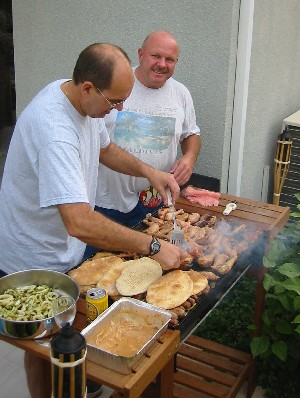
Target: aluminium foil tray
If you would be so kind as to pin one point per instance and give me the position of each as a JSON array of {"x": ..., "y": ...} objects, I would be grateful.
[{"x": 157, "y": 317}]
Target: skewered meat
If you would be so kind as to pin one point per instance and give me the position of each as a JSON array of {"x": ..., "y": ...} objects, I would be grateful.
[
  {"x": 162, "y": 212},
  {"x": 220, "y": 259},
  {"x": 179, "y": 311},
  {"x": 193, "y": 248},
  {"x": 239, "y": 246},
  {"x": 195, "y": 233},
  {"x": 210, "y": 275},
  {"x": 226, "y": 267},
  {"x": 150, "y": 218},
  {"x": 193, "y": 218},
  {"x": 186, "y": 262},
  {"x": 174, "y": 320},
  {"x": 206, "y": 290},
  {"x": 182, "y": 217},
  {"x": 206, "y": 260},
  {"x": 166, "y": 228},
  {"x": 187, "y": 305},
  {"x": 237, "y": 230},
  {"x": 152, "y": 229},
  {"x": 169, "y": 216},
  {"x": 192, "y": 300}
]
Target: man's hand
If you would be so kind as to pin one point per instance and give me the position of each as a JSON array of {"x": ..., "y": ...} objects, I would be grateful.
[
  {"x": 160, "y": 180},
  {"x": 183, "y": 167},
  {"x": 169, "y": 256},
  {"x": 182, "y": 170}
]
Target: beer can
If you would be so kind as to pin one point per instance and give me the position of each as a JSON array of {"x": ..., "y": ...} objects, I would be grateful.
[{"x": 96, "y": 303}]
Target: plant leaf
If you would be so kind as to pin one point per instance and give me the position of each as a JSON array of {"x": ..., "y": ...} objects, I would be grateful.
[
  {"x": 297, "y": 303},
  {"x": 268, "y": 282},
  {"x": 291, "y": 270},
  {"x": 292, "y": 284},
  {"x": 279, "y": 348},
  {"x": 259, "y": 345},
  {"x": 296, "y": 319},
  {"x": 283, "y": 327}
]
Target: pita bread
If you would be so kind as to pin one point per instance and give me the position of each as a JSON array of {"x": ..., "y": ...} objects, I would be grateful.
[
  {"x": 102, "y": 254},
  {"x": 89, "y": 272},
  {"x": 200, "y": 282},
  {"x": 138, "y": 276},
  {"x": 107, "y": 281},
  {"x": 170, "y": 290}
]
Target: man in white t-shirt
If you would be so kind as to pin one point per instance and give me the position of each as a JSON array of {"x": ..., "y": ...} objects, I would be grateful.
[
  {"x": 48, "y": 188},
  {"x": 156, "y": 117}
]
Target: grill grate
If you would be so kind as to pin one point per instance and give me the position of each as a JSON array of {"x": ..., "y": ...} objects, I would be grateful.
[{"x": 291, "y": 184}]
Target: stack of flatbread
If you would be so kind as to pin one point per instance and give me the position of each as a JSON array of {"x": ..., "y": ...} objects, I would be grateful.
[
  {"x": 138, "y": 276},
  {"x": 175, "y": 287},
  {"x": 111, "y": 274},
  {"x": 171, "y": 290},
  {"x": 200, "y": 282},
  {"x": 89, "y": 272}
]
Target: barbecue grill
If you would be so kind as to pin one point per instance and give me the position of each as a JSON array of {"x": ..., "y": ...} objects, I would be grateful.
[{"x": 252, "y": 257}]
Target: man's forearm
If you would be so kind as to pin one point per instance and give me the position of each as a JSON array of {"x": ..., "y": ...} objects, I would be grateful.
[
  {"x": 191, "y": 147},
  {"x": 121, "y": 161}
]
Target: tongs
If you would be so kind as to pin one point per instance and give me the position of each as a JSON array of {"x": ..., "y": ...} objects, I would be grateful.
[{"x": 176, "y": 237}]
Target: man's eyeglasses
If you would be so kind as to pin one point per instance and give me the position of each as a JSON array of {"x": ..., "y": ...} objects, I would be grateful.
[{"x": 111, "y": 104}]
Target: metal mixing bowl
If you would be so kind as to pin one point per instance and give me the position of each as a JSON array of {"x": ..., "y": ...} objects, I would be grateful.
[{"x": 62, "y": 283}]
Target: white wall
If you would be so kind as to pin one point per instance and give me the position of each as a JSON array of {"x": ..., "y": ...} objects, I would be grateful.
[
  {"x": 49, "y": 35},
  {"x": 274, "y": 88}
]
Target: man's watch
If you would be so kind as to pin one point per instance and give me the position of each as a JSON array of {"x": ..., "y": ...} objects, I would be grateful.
[{"x": 154, "y": 247}]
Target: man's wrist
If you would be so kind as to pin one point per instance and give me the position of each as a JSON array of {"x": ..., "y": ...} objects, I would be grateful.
[{"x": 154, "y": 246}]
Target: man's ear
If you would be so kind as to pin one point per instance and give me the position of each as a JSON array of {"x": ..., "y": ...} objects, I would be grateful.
[
  {"x": 140, "y": 52},
  {"x": 86, "y": 87}
]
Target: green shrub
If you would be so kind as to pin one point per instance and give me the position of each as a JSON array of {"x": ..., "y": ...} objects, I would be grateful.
[
  {"x": 277, "y": 350},
  {"x": 278, "y": 346},
  {"x": 227, "y": 323}
]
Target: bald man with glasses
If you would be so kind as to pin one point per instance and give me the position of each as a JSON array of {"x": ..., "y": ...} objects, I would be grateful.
[{"x": 48, "y": 188}]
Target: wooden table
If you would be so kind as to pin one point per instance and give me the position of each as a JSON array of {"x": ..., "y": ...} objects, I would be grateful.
[{"x": 158, "y": 363}]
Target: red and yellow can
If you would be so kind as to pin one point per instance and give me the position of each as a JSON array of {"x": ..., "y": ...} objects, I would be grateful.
[{"x": 96, "y": 303}]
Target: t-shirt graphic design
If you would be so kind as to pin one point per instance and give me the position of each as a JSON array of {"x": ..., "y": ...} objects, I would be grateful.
[{"x": 135, "y": 132}]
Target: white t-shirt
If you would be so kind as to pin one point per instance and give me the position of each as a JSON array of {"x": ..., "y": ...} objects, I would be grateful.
[
  {"x": 53, "y": 159},
  {"x": 151, "y": 125}
]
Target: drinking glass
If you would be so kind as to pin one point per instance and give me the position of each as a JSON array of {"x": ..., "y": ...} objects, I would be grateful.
[{"x": 64, "y": 310}]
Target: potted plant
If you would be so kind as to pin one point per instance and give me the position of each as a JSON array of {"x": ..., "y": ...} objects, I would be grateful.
[{"x": 278, "y": 346}]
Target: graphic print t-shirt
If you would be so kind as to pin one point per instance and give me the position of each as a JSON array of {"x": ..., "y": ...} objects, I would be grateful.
[{"x": 150, "y": 127}]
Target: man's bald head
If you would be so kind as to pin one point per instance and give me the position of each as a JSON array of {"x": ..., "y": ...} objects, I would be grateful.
[
  {"x": 98, "y": 63},
  {"x": 160, "y": 35}
]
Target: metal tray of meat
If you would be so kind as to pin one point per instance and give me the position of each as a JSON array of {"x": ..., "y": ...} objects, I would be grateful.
[{"x": 148, "y": 321}]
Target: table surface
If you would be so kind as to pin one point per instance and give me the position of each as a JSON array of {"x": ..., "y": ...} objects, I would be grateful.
[
  {"x": 266, "y": 216},
  {"x": 159, "y": 361}
]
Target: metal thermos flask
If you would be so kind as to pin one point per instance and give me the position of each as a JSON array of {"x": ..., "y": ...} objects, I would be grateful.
[{"x": 68, "y": 366}]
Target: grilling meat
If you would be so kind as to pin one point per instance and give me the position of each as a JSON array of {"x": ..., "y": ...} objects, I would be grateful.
[
  {"x": 226, "y": 267},
  {"x": 206, "y": 260}
]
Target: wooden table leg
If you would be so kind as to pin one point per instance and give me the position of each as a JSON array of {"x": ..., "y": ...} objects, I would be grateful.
[
  {"x": 163, "y": 388},
  {"x": 165, "y": 381}
]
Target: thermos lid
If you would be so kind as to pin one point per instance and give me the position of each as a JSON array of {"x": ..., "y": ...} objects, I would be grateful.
[{"x": 68, "y": 341}]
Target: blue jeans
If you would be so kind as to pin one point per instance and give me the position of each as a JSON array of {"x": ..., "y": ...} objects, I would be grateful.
[{"x": 131, "y": 219}]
